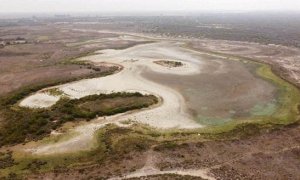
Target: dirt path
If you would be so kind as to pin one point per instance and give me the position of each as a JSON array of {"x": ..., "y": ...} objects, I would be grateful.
[{"x": 150, "y": 169}]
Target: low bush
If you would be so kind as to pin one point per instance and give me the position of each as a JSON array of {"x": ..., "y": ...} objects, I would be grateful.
[
  {"x": 24, "y": 124},
  {"x": 6, "y": 160}
]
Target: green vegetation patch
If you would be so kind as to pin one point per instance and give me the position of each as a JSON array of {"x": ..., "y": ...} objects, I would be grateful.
[
  {"x": 54, "y": 92},
  {"x": 114, "y": 105},
  {"x": 169, "y": 63},
  {"x": 168, "y": 176},
  {"x": 24, "y": 124},
  {"x": 212, "y": 121},
  {"x": 113, "y": 144},
  {"x": 121, "y": 141},
  {"x": 288, "y": 98},
  {"x": 263, "y": 109},
  {"x": 6, "y": 160}
]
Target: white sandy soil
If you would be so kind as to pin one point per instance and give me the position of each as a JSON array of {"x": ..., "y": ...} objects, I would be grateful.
[
  {"x": 39, "y": 100},
  {"x": 170, "y": 114}
]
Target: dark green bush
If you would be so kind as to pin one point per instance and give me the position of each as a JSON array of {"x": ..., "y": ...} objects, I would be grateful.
[{"x": 26, "y": 124}]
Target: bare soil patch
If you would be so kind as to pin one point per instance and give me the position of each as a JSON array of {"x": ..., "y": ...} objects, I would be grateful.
[
  {"x": 43, "y": 57},
  {"x": 272, "y": 155}
]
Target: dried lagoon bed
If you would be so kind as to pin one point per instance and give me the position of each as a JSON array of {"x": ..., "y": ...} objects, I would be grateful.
[
  {"x": 209, "y": 90},
  {"x": 138, "y": 138}
]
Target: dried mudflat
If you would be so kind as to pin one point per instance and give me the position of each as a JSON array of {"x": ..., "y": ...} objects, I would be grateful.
[
  {"x": 206, "y": 90},
  {"x": 171, "y": 113},
  {"x": 224, "y": 91}
]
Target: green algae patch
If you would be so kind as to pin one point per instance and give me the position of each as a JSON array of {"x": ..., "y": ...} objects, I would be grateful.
[
  {"x": 284, "y": 110},
  {"x": 288, "y": 97},
  {"x": 263, "y": 109},
  {"x": 212, "y": 121}
]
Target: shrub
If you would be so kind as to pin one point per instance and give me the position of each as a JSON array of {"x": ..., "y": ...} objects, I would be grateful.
[{"x": 26, "y": 124}]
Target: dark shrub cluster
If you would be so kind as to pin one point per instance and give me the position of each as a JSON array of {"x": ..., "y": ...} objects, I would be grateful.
[{"x": 24, "y": 124}]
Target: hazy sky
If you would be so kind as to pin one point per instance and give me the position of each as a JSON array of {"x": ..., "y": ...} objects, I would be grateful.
[{"x": 7, "y": 6}]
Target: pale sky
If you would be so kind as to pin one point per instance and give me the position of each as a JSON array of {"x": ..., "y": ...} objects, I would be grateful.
[{"x": 38, "y": 6}]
